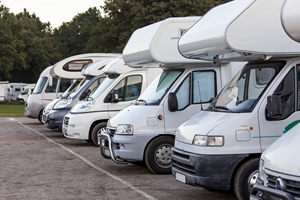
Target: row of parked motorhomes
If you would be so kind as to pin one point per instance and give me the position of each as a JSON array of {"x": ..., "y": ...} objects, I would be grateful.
[{"x": 199, "y": 97}]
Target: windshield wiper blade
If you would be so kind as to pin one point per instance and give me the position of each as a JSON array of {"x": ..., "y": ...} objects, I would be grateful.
[
  {"x": 140, "y": 100},
  {"x": 223, "y": 108}
]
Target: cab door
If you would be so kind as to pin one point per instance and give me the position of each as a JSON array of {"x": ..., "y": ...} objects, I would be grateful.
[
  {"x": 288, "y": 88},
  {"x": 196, "y": 90},
  {"x": 129, "y": 89}
]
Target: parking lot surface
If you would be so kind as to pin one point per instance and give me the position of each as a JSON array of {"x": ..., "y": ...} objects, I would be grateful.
[{"x": 37, "y": 163}]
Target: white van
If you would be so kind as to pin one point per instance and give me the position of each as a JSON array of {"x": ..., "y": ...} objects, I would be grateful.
[
  {"x": 55, "y": 111},
  {"x": 120, "y": 88},
  {"x": 4, "y": 90},
  {"x": 220, "y": 147},
  {"x": 279, "y": 175},
  {"x": 55, "y": 80},
  {"x": 28, "y": 89},
  {"x": 145, "y": 131}
]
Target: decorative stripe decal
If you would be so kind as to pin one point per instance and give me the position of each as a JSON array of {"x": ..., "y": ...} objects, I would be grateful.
[
  {"x": 267, "y": 136},
  {"x": 96, "y": 111}
]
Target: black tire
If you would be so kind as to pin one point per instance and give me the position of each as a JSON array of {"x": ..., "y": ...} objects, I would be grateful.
[
  {"x": 97, "y": 130},
  {"x": 158, "y": 155},
  {"x": 245, "y": 177},
  {"x": 40, "y": 116}
]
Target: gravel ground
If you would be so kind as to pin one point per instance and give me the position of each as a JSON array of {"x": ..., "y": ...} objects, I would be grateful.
[{"x": 37, "y": 163}]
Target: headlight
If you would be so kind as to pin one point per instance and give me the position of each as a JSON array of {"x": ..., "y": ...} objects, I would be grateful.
[
  {"x": 261, "y": 169},
  {"x": 212, "y": 141},
  {"x": 124, "y": 129},
  {"x": 62, "y": 103},
  {"x": 82, "y": 107}
]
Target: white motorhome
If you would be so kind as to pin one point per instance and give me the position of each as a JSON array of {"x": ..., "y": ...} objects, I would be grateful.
[
  {"x": 145, "y": 131},
  {"x": 56, "y": 79},
  {"x": 55, "y": 111},
  {"x": 219, "y": 148},
  {"x": 120, "y": 88},
  {"x": 4, "y": 90},
  {"x": 279, "y": 175},
  {"x": 15, "y": 90},
  {"x": 28, "y": 89}
]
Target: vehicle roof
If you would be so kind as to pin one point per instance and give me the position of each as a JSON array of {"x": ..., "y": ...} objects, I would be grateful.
[{"x": 96, "y": 68}]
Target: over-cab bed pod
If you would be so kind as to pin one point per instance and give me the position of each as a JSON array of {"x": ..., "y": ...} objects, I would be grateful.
[
  {"x": 157, "y": 43},
  {"x": 96, "y": 68},
  {"x": 245, "y": 30},
  {"x": 71, "y": 67}
]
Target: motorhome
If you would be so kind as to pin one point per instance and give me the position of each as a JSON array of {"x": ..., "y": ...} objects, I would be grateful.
[
  {"x": 145, "y": 131},
  {"x": 279, "y": 176},
  {"x": 55, "y": 80},
  {"x": 27, "y": 90},
  {"x": 88, "y": 118},
  {"x": 220, "y": 147},
  {"x": 4, "y": 90},
  {"x": 54, "y": 113},
  {"x": 15, "y": 89}
]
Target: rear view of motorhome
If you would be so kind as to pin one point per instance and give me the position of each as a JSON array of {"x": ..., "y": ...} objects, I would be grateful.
[
  {"x": 145, "y": 131},
  {"x": 55, "y": 80},
  {"x": 220, "y": 147},
  {"x": 88, "y": 118},
  {"x": 54, "y": 112}
]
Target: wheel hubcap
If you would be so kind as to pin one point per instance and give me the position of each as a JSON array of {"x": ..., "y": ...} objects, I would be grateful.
[
  {"x": 252, "y": 180},
  {"x": 102, "y": 130},
  {"x": 163, "y": 156}
]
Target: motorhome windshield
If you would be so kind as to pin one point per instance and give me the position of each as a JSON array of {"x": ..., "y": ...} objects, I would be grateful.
[
  {"x": 71, "y": 89},
  {"x": 80, "y": 85},
  {"x": 245, "y": 89},
  {"x": 104, "y": 84},
  {"x": 155, "y": 92},
  {"x": 40, "y": 85}
]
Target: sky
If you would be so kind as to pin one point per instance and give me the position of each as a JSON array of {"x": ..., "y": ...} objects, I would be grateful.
[{"x": 54, "y": 11}]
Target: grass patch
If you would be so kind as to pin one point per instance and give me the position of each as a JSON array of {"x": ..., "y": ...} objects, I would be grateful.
[{"x": 12, "y": 110}]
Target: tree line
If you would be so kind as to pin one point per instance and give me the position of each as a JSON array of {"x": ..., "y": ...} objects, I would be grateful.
[{"x": 27, "y": 45}]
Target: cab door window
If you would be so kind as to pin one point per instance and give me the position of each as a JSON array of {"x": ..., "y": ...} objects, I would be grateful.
[
  {"x": 64, "y": 84},
  {"x": 52, "y": 88},
  {"x": 129, "y": 88},
  {"x": 183, "y": 93},
  {"x": 204, "y": 86},
  {"x": 286, "y": 91}
]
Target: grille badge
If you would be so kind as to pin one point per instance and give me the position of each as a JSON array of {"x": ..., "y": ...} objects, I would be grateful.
[{"x": 280, "y": 184}]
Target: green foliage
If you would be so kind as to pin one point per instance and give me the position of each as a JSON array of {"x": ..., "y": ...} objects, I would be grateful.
[
  {"x": 27, "y": 45},
  {"x": 12, "y": 110}
]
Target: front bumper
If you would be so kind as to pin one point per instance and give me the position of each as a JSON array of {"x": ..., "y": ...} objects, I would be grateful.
[
  {"x": 33, "y": 110},
  {"x": 54, "y": 119},
  {"x": 260, "y": 192},
  {"x": 124, "y": 148},
  {"x": 207, "y": 171},
  {"x": 76, "y": 126}
]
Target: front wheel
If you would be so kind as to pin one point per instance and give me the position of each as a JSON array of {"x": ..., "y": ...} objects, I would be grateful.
[
  {"x": 245, "y": 178},
  {"x": 97, "y": 130},
  {"x": 158, "y": 155},
  {"x": 40, "y": 116}
]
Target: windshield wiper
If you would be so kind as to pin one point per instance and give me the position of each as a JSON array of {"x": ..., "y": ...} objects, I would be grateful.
[
  {"x": 140, "y": 100},
  {"x": 222, "y": 107}
]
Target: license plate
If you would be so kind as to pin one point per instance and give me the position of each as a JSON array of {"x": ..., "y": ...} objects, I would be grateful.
[
  {"x": 106, "y": 152},
  {"x": 180, "y": 177}
]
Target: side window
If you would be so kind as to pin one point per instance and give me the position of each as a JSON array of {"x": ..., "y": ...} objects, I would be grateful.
[
  {"x": 129, "y": 88},
  {"x": 94, "y": 85},
  {"x": 52, "y": 88},
  {"x": 183, "y": 94},
  {"x": 298, "y": 87},
  {"x": 133, "y": 87},
  {"x": 286, "y": 90},
  {"x": 204, "y": 83},
  {"x": 64, "y": 84}
]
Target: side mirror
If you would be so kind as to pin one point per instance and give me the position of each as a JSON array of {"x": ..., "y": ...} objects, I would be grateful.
[
  {"x": 112, "y": 97},
  {"x": 86, "y": 93},
  {"x": 172, "y": 102},
  {"x": 274, "y": 107}
]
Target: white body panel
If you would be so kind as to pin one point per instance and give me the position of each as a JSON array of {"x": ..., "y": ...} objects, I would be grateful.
[
  {"x": 28, "y": 89},
  {"x": 79, "y": 124}
]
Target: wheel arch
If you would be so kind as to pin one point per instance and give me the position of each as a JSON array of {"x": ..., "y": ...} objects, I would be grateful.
[
  {"x": 250, "y": 156},
  {"x": 160, "y": 135},
  {"x": 94, "y": 124}
]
